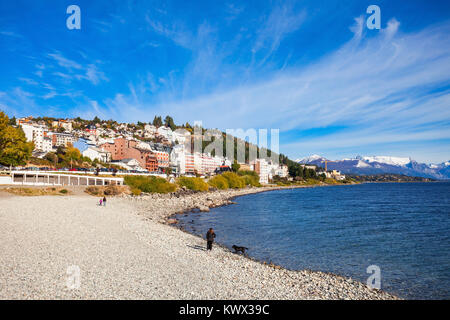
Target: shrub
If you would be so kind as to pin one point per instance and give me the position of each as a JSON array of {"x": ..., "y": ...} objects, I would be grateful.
[
  {"x": 115, "y": 190},
  {"x": 135, "y": 191},
  {"x": 248, "y": 173},
  {"x": 311, "y": 181},
  {"x": 251, "y": 181},
  {"x": 331, "y": 181},
  {"x": 112, "y": 190},
  {"x": 197, "y": 184},
  {"x": 219, "y": 182},
  {"x": 37, "y": 191},
  {"x": 150, "y": 184},
  {"x": 95, "y": 191},
  {"x": 251, "y": 178},
  {"x": 234, "y": 181}
]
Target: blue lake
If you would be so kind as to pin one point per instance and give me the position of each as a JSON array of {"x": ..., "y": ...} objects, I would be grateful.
[{"x": 403, "y": 228}]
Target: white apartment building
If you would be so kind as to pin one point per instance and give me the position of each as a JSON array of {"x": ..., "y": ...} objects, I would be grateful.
[
  {"x": 283, "y": 171},
  {"x": 62, "y": 139},
  {"x": 36, "y": 134},
  {"x": 180, "y": 136},
  {"x": 210, "y": 164},
  {"x": 129, "y": 164},
  {"x": 178, "y": 159},
  {"x": 97, "y": 153},
  {"x": 151, "y": 129},
  {"x": 165, "y": 132},
  {"x": 278, "y": 170},
  {"x": 47, "y": 145},
  {"x": 262, "y": 169}
]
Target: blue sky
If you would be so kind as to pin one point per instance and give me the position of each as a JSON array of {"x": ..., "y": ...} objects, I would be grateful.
[{"x": 309, "y": 68}]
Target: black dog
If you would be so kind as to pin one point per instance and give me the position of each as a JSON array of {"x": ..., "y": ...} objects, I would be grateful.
[{"x": 239, "y": 249}]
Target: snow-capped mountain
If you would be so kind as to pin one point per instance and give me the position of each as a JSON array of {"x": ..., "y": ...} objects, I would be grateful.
[
  {"x": 383, "y": 164},
  {"x": 310, "y": 159},
  {"x": 394, "y": 161}
]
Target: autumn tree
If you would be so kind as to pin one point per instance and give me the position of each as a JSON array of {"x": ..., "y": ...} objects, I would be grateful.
[
  {"x": 14, "y": 148},
  {"x": 72, "y": 155}
]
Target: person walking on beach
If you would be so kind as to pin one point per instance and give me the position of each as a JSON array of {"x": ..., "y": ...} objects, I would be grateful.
[
  {"x": 104, "y": 201},
  {"x": 101, "y": 200},
  {"x": 210, "y": 235}
]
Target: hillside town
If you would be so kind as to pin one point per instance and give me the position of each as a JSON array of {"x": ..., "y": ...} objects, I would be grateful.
[{"x": 143, "y": 148}]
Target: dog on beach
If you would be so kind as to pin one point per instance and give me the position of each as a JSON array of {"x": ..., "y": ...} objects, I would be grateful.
[{"x": 239, "y": 249}]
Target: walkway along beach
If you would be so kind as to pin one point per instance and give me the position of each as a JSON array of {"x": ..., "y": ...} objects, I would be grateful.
[{"x": 128, "y": 250}]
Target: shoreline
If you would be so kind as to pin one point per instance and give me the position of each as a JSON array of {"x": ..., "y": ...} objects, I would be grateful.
[
  {"x": 170, "y": 219},
  {"x": 127, "y": 250}
]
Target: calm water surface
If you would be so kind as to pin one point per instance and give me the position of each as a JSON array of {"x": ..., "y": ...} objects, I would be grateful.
[{"x": 401, "y": 227}]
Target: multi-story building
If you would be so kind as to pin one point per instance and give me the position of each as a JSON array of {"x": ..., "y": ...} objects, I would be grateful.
[
  {"x": 262, "y": 169},
  {"x": 47, "y": 144},
  {"x": 65, "y": 124},
  {"x": 165, "y": 132},
  {"x": 280, "y": 170},
  {"x": 151, "y": 163},
  {"x": 150, "y": 129},
  {"x": 62, "y": 139},
  {"x": 120, "y": 149},
  {"x": 91, "y": 129},
  {"x": 178, "y": 159},
  {"x": 209, "y": 164},
  {"x": 20, "y": 121},
  {"x": 189, "y": 167},
  {"x": 94, "y": 153},
  {"x": 283, "y": 171},
  {"x": 336, "y": 174},
  {"x": 128, "y": 149},
  {"x": 36, "y": 134},
  {"x": 162, "y": 155}
]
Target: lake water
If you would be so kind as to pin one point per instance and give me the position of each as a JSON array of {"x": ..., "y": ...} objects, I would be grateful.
[{"x": 403, "y": 228}]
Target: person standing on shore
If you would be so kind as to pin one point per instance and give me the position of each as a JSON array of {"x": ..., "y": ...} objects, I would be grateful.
[
  {"x": 210, "y": 235},
  {"x": 104, "y": 201}
]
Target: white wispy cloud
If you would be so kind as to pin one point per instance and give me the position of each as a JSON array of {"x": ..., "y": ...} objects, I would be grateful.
[
  {"x": 380, "y": 87},
  {"x": 64, "y": 62},
  {"x": 93, "y": 75},
  {"x": 11, "y": 34},
  {"x": 75, "y": 70},
  {"x": 281, "y": 21}
]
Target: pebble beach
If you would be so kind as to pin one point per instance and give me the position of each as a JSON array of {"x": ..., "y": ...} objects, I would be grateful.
[{"x": 130, "y": 249}]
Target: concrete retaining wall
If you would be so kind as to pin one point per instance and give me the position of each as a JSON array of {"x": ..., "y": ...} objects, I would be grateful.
[{"x": 6, "y": 180}]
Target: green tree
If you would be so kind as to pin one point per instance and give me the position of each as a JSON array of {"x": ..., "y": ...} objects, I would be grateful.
[
  {"x": 168, "y": 122},
  {"x": 12, "y": 121},
  {"x": 52, "y": 157},
  {"x": 14, "y": 148},
  {"x": 235, "y": 166},
  {"x": 157, "y": 121}
]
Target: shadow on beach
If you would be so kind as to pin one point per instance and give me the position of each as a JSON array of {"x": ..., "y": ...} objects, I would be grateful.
[{"x": 197, "y": 247}]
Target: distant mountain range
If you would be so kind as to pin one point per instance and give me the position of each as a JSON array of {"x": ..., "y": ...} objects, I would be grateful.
[{"x": 382, "y": 164}]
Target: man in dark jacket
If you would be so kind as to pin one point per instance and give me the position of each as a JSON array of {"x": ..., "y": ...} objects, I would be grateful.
[{"x": 210, "y": 235}]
